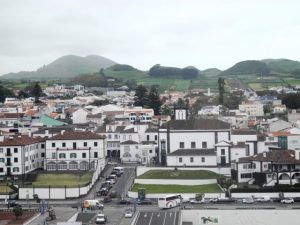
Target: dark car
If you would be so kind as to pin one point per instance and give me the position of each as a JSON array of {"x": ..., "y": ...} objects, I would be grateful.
[
  {"x": 297, "y": 199},
  {"x": 113, "y": 194},
  {"x": 144, "y": 202},
  {"x": 107, "y": 199},
  {"x": 124, "y": 202},
  {"x": 13, "y": 203}
]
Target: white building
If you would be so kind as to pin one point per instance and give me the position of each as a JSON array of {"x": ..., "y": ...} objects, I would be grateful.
[
  {"x": 20, "y": 155},
  {"x": 252, "y": 109},
  {"x": 80, "y": 116},
  {"x": 75, "y": 151}
]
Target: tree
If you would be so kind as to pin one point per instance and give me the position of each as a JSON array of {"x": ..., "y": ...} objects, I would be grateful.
[
  {"x": 18, "y": 211},
  {"x": 221, "y": 84},
  {"x": 180, "y": 103},
  {"x": 141, "y": 94},
  {"x": 36, "y": 92},
  {"x": 5, "y": 92},
  {"x": 166, "y": 110},
  {"x": 154, "y": 101}
]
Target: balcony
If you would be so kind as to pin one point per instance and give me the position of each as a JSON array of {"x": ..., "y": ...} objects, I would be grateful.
[
  {"x": 8, "y": 164},
  {"x": 8, "y": 154}
]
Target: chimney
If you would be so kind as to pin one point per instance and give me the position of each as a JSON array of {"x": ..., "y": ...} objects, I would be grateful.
[
  {"x": 29, "y": 133},
  {"x": 11, "y": 138},
  {"x": 47, "y": 132},
  {"x": 264, "y": 154},
  {"x": 62, "y": 132}
]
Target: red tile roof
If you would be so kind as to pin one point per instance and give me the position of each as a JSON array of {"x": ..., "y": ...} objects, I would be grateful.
[
  {"x": 77, "y": 135},
  {"x": 21, "y": 141}
]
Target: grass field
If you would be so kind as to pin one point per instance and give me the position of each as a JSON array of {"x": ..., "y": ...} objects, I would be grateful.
[
  {"x": 179, "y": 174},
  {"x": 60, "y": 180},
  {"x": 5, "y": 189},
  {"x": 209, "y": 188}
]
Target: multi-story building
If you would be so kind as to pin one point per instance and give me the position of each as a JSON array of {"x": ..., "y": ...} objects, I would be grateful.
[
  {"x": 252, "y": 109},
  {"x": 20, "y": 155},
  {"x": 72, "y": 150}
]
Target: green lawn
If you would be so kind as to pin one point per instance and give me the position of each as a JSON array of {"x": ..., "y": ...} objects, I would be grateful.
[
  {"x": 5, "y": 189},
  {"x": 60, "y": 180},
  {"x": 151, "y": 188},
  {"x": 179, "y": 174}
]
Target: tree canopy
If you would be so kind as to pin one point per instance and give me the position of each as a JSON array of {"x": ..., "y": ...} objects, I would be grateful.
[{"x": 173, "y": 72}]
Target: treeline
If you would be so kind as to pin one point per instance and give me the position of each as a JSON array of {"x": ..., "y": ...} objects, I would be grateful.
[
  {"x": 292, "y": 101},
  {"x": 5, "y": 92},
  {"x": 174, "y": 72}
]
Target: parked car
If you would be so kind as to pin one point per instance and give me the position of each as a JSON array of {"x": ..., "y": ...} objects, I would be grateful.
[
  {"x": 13, "y": 203},
  {"x": 144, "y": 202},
  {"x": 248, "y": 200},
  {"x": 101, "y": 219},
  {"x": 113, "y": 176},
  {"x": 297, "y": 199},
  {"x": 222, "y": 200},
  {"x": 107, "y": 199},
  {"x": 128, "y": 213},
  {"x": 287, "y": 201},
  {"x": 93, "y": 203},
  {"x": 194, "y": 201},
  {"x": 124, "y": 202},
  {"x": 113, "y": 194},
  {"x": 264, "y": 199}
]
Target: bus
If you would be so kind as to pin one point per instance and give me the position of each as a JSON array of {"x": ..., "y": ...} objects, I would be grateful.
[{"x": 169, "y": 201}]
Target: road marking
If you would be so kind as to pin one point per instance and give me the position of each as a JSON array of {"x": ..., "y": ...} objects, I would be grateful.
[
  {"x": 175, "y": 218},
  {"x": 137, "y": 217},
  {"x": 164, "y": 219},
  {"x": 158, "y": 215},
  {"x": 151, "y": 218},
  {"x": 145, "y": 215},
  {"x": 171, "y": 214}
]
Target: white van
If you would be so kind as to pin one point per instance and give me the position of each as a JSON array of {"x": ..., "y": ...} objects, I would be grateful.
[
  {"x": 118, "y": 169},
  {"x": 92, "y": 203}
]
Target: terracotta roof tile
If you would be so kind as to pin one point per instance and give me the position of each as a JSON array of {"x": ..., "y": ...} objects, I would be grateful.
[
  {"x": 21, "y": 141},
  {"x": 77, "y": 135}
]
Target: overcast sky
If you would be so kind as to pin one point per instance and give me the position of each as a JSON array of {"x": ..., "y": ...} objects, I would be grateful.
[{"x": 202, "y": 33}]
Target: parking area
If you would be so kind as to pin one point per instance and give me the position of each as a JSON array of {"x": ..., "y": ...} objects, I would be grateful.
[{"x": 157, "y": 218}]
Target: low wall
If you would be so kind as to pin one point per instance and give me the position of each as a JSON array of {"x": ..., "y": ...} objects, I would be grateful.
[
  {"x": 175, "y": 181},
  {"x": 143, "y": 169},
  {"x": 132, "y": 194},
  {"x": 261, "y": 194}
]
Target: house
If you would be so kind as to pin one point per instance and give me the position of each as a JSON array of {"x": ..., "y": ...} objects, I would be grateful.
[
  {"x": 10, "y": 119},
  {"x": 200, "y": 135},
  {"x": 75, "y": 150},
  {"x": 252, "y": 109},
  {"x": 20, "y": 155},
  {"x": 278, "y": 166},
  {"x": 80, "y": 116},
  {"x": 210, "y": 110}
]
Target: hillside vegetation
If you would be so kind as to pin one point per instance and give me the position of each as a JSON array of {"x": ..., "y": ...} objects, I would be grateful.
[
  {"x": 283, "y": 65},
  {"x": 65, "y": 67},
  {"x": 173, "y": 72},
  {"x": 248, "y": 67}
]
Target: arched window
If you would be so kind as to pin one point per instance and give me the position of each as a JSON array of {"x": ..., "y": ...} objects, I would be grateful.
[
  {"x": 16, "y": 169},
  {"x": 51, "y": 166},
  {"x": 84, "y": 165},
  {"x": 73, "y": 156},
  {"x": 73, "y": 165},
  {"x": 62, "y": 165}
]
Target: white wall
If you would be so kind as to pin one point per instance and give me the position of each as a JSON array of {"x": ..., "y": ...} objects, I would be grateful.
[
  {"x": 189, "y": 195},
  {"x": 209, "y": 160}
]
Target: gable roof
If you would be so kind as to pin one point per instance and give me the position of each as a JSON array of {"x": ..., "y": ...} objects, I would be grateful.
[
  {"x": 130, "y": 130},
  {"x": 152, "y": 130},
  {"x": 50, "y": 122},
  {"x": 129, "y": 142},
  {"x": 243, "y": 132},
  {"x": 275, "y": 156},
  {"x": 77, "y": 135},
  {"x": 197, "y": 124},
  {"x": 21, "y": 141}
]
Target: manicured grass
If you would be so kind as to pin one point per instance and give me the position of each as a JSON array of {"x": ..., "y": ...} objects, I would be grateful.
[
  {"x": 5, "y": 189},
  {"x": 179, "y": 174},
  {"x": 151, "y": 188},
  {"x": 60, "y": 180}
]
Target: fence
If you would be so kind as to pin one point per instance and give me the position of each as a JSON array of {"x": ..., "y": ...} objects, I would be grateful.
[{"x": 54, "y": 192}]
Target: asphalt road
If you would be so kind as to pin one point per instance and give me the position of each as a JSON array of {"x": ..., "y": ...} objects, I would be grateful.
[{"x": 124, "y": 182}]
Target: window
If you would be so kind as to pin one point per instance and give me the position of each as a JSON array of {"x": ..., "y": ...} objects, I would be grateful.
[
  {"x": 15, "y": 150},
  {"x": 247, "y": 151},
  {"x": 2, "y": 160},
  {"x": 155, "y": 137},
  {"x": 181, "y": 144},
  {"x": 1, "y": 170},
  {"x": 62, "y": 155},
  {"x": 109, "y": 136},
  {"x": 130, "y": 137},
  {"x": 73, "y": 155},
  {"x": 222, "y": 151},
  {"x": 15, "y": 160},
  {"x": 150, "y": 151},
  {"x": 191, "y": 159},
  {"x": 1, "y": 150},
  {"x": 95, "y": 144},
  {"x": 42, "y": 154},
  {"x": 116, "y": 136},
  {"x": 95, "y": 154},
  {"x": 53, "y": 155},
  {"x": 84, "y": 155},
  {"x": 180, "y": 159},
  {"x": 204, "y": 144},
  {"x": 53, "y": 144},
  {"x": 84, "y": 144},
  {"x": 148, "y": 137},
  {"x": 42, "y": 146},
  {"x": 246, "y": 175},
  {"x": 16, "y": 169},
  {"x": 203, "y": 159},
  {"x": 193, "y": 144},
  {"x": 63, "y": 144}
]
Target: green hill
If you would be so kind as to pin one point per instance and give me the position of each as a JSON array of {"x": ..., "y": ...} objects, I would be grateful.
[
  {"x": 248, "y": 67},
  {"x": 211, "y": 72},
  {"x": 65, "y": 67},
  {"x": 122, "y": 67},
  {"x": 282, "y": 65}
]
